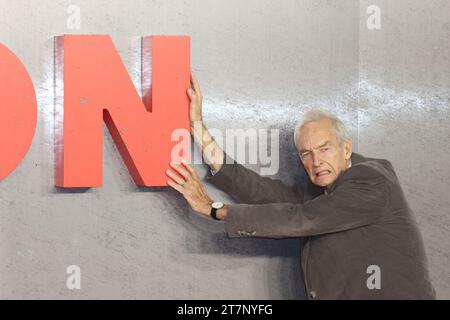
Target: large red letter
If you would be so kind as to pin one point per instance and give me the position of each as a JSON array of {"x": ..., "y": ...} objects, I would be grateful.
[
  {"x": 18, "y": 111},
  {"x": 93, "y": 85}
]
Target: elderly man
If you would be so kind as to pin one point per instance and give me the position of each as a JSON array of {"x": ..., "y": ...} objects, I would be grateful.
[{"x": 361, "y": 240}]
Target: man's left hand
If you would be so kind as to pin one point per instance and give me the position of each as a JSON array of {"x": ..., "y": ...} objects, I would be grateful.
[{"x": 186, "y": 181}]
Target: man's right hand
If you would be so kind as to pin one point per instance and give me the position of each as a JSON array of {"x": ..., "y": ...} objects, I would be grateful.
[{"x": 213, "y": 155}]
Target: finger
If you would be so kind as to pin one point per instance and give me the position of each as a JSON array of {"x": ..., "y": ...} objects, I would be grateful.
[
  {"x": 186, "y": 174},
  {"x": 175, "y": 186},
  {"x": 175, "y": 177},
  {"x": 189, "y": 167},
  {"x": 195, "y": 84}
]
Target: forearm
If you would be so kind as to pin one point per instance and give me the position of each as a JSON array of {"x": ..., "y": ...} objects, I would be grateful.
[
  {"x": 212, "y": 153},
  {"x": 361, "y": 199}
]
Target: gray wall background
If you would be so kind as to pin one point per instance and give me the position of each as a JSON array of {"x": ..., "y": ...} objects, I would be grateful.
[{"x": 261, "y": 64}]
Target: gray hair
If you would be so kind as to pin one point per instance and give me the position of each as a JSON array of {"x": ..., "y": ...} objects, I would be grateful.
[{"x": 316, "y": 115}]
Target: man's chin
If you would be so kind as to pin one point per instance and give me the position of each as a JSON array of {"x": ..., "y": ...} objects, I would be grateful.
[{"x": 323, "y": 183}]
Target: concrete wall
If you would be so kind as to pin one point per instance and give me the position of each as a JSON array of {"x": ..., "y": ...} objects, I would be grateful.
[{"x": 261, "y": 64}]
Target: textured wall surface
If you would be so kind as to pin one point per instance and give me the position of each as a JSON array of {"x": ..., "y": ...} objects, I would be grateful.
[{"x": 261, "y": 64}]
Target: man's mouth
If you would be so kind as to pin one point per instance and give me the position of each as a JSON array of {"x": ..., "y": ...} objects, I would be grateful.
[{"x": 322, "y": 173}]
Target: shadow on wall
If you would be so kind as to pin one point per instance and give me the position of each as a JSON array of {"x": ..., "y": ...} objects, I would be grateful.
[
  {"x": 206, "y": 237},
  {"x": 291, "y": 170}
]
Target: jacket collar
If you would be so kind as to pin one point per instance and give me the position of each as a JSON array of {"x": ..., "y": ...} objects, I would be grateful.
[{"x": 355, "y": 159}]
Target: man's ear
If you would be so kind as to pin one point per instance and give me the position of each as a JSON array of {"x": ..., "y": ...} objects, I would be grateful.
[{"x": 348, "y": 149}]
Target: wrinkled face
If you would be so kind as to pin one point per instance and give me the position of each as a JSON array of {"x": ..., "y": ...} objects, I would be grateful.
[{"x": 320, "y": 152}]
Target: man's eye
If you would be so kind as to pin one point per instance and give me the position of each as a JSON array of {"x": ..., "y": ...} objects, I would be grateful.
[
  {"x": 304, "y": 155},
  {"x": 324, "y": 149}
]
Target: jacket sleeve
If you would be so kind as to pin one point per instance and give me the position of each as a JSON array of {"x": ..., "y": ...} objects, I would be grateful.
[
  {"x": 246, "y": 186},
  {"x": 360, "y": 199}
]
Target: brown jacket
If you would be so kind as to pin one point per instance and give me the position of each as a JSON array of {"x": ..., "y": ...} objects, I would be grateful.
[{"x": 364, "y": 220}]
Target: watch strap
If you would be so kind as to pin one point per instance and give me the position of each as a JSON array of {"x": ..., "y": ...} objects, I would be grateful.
[{"x": 214, "y": 214}]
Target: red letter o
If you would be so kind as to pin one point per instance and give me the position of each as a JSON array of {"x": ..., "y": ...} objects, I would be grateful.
[{"x": 18, "y": 111}]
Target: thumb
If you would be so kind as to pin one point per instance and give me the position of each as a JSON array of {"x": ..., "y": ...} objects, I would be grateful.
[{"x": 191, "y": 93}]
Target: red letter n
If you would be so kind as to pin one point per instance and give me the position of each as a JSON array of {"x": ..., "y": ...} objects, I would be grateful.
[{"x": 92, "y": 86}]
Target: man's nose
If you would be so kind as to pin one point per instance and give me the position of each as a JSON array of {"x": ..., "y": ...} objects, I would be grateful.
[{"x": 316, "y": 160}]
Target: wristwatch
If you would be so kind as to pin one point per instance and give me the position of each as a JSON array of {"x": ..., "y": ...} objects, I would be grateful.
[{"x": 214, "y": 207}]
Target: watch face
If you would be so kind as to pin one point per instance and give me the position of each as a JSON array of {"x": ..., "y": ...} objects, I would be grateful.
[{"x": 217, "y": 205}]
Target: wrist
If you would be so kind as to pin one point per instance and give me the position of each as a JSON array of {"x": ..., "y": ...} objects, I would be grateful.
[
  {"x": 195, "y": 120},
  {"x": 197, "y": 126},
  {"x": 218, "y": 211},
  {"x": 206, "y": 209},
  {"x": 222, "y": 213}
]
